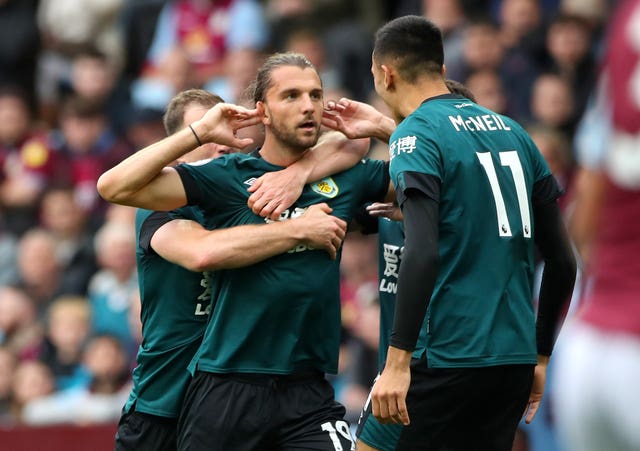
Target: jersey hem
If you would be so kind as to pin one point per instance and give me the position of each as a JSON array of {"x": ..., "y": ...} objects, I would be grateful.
[
  {"x": 372, "y": 444},
  {"x": 479, "y": 364},
  {"x": 209, "y": 368},
  {"x": 140, "y": 407}
]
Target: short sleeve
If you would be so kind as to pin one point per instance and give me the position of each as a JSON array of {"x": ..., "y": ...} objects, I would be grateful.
[
  {"x": 148, "y": 228},
  {"x": 413, "y": 149},
  {"x": 203, "y": 182},
  {"x": 546, "y": 190}
]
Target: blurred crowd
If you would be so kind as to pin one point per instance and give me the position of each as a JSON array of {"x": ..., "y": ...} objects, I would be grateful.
[{"x": 84, "y": 83}]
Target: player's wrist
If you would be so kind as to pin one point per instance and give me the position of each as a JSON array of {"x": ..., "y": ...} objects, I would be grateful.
[
  {"x": 303, "y": 168},
  {"x": 543, "y": 359},
  {"x": 385, "y": 127},
  {"x": 296, "y": 229},
  {"x": 397, "y": 359},
  {"x": 199, "y": 129}
]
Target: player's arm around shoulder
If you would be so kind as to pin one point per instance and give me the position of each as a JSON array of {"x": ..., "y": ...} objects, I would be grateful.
[
  {"x": 188, "y": 244},
  {"x": 143, "y": 179},
  {"x": 357, "y": 120},
  {"x": 274, "y": 192},
  {"x": 182, "y": 241}
]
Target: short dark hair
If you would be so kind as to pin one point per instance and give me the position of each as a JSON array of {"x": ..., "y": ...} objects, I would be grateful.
[
  {"x": 413, "y": 43},
  {"x": 262, "y": 82},
  {"x": 173, "y": 118}
]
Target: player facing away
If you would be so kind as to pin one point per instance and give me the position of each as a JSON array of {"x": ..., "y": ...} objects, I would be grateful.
[
  {"x": 472, "y": 187},
  {"x": 174, "y": 257},
  {"x": 275, "y": 326},
  {"x": 386, "y": 220},
  {"x": 476, "y": 197}
]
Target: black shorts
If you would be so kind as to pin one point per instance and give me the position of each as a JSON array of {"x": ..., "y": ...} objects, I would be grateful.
[
  {"x": 465, "y": 409},
  {"x": 237, "y": 412},
  {"x": 139, "y": 431}
]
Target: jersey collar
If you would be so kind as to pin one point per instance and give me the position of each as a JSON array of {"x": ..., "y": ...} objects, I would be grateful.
[{"x": 449, "y": 96}]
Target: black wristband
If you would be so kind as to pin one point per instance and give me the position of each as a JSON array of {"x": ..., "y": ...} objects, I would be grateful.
[{"x": 196, "y": 135}]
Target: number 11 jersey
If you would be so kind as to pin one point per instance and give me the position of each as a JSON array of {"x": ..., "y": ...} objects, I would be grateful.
[{"x": 490, "y": 174}]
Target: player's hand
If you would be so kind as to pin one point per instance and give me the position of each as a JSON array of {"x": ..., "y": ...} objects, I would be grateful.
[
  {"x": 385, "y": 209},
  {"x": 389, "y": 394},
  {"x": 537, "y": 391},
  {"x": 274, "y": 192},
  {"x": 321, "y": 229},
  {"x": 221, "y": 123},
  {"x": 354, "y": 119}
]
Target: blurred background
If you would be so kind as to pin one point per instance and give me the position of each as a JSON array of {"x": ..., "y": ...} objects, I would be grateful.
[{"x": 84, "y": 83}]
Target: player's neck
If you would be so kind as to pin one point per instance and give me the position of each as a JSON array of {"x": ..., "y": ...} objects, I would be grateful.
[
  {"x": 274, "y": 152},
  {"x": 411, "y": 96}
]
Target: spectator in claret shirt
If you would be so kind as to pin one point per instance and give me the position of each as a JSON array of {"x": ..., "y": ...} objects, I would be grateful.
[
  {"x": 27, "y": 163},
  {"x": 89, "y": 147}
]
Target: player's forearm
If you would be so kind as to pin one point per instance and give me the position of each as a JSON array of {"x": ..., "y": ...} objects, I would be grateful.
[
  {"x": 246, "y": 245},
  {"x": 334, "y": 153},
  {"x": 418, "y": 271},
  {"x": 188, "y": 244},
  {"x": 558, "y": 276},
  {"x": 121, "y": 183},
  {"x": 558, "y": 279}
]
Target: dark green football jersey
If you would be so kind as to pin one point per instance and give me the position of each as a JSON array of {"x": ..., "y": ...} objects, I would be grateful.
[
  {"x": 390, "y": 247},
  {"x": 282, "y": 314},
  {"x": 481, "y": 311},
  {"x": 175, "y": 304}
]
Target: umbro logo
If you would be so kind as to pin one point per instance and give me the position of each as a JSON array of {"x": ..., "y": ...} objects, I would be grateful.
[{"x": 250, "y": 181}]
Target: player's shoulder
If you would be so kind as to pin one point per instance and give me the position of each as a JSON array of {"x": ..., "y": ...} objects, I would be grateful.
[
  {"x": 426, "y": 121},
  {"x": 360, "y": 175},
  {"x": 226, "y": 167},
  {"x": 368, "y": 165},
  {"x": 420, "y": 118}
]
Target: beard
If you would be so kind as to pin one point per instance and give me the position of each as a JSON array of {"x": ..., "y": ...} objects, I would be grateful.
[{"x": 291, "y": 137}]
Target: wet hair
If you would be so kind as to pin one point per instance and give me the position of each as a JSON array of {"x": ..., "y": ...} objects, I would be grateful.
[
  {"x": 173, "y": 119},
  {"x": 262, "y": 83},
  {"x": 458, "y": 88},
  {"x": 413, "y": 44}
]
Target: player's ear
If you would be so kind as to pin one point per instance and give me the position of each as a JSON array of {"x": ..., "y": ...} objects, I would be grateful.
[
  {"x": 388, "y": 77},
  {"x": 444, "y": 71},
  {"x": 263, "y": 112}
]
